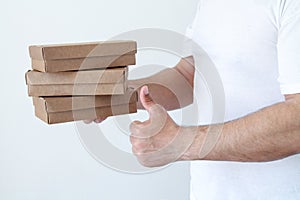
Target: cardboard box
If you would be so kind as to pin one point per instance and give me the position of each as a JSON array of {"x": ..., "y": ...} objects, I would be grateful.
[
  {"x": 76, "y": 90},
  {"x": 109, "y": 50},
  {"x": 85, "y": 114},
  {"x": 112, "y": 75},
  {"x": 61, "y": 104},
  {"x": 83, "y": 63},
  {"x": 96, "y": 82},
  {"x": 82, "y": 50}
]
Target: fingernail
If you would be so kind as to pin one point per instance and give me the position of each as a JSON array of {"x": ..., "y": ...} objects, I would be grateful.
[{"x": 146, "y": 90}]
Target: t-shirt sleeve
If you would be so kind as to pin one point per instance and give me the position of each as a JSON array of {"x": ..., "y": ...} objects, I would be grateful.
[
  {"x": 187, "y": 46},
  {"x": 289, "y": 48}
]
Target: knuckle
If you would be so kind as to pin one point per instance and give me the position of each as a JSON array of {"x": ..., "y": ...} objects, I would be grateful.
[
  {"x": 141, "y": 146},
  {"x": 132, "y": 139},
  {"x": 135, "y": 133},
  {"x": 136, "y": 123},
  {"x": 133, "y": 127},
  {"x": 134, "y": 151},
  {"x": 144, "y": 161}
]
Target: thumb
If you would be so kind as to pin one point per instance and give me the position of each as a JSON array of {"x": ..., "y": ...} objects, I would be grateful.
[
  {"x": 145, "y": 98},
  {"x": 157, "y": 114}
]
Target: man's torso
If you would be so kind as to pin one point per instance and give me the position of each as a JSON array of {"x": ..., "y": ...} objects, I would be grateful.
[{"x": 240, "y": 37}]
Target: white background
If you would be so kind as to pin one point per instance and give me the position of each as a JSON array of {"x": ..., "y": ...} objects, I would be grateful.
[{"x": 38, "y": 161}]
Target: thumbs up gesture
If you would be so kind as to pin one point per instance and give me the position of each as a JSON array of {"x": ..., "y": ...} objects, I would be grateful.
[{"x": 159, "y": 140}]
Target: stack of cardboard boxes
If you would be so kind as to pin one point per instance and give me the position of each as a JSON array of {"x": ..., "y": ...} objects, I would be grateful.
[{"x": 81, "y": 81}]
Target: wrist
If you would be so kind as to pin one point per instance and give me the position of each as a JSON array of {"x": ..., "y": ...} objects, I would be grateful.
[{"x": 197, "y": 137}]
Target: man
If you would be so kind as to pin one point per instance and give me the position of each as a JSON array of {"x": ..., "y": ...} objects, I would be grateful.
[{"x": 255, "y": 45}]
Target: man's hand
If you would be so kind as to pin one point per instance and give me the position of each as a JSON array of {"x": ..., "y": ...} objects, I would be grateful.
[{"x": 159, "y": 140}]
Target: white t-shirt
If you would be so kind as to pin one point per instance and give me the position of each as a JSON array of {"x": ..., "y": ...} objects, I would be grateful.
[{"x": 255, "y": 46}]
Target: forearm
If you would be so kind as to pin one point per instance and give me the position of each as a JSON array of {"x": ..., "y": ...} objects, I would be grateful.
[
  {"x": 269, "y": 134},
  {"x": 172, "y": 88}
]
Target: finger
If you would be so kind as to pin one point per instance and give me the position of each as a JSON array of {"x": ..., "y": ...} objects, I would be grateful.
[
  {"x": 157, "y": 121},
  {"x": 145, "y": 97},
  {"x": 139, "y": 143},
  {"x": 87, "y": 121},
  {"x": 136, "y": 129},
  {"x": 150, "y": 105},
  {"x": 157, "y": 114},
  {"x": 158, "y": 118},
  {"x": 99, "y": 120}
]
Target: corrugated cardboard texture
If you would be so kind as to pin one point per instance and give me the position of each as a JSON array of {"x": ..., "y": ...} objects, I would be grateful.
[
  {"x": 86, "y": 114},
  {"x": 82, "y": 50},
  {"x": 61, "y": 104},
  {"x": 77, "y": 90},
  {"x": 82, "y": 63},
  {"x": 114, "y": 75}
]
